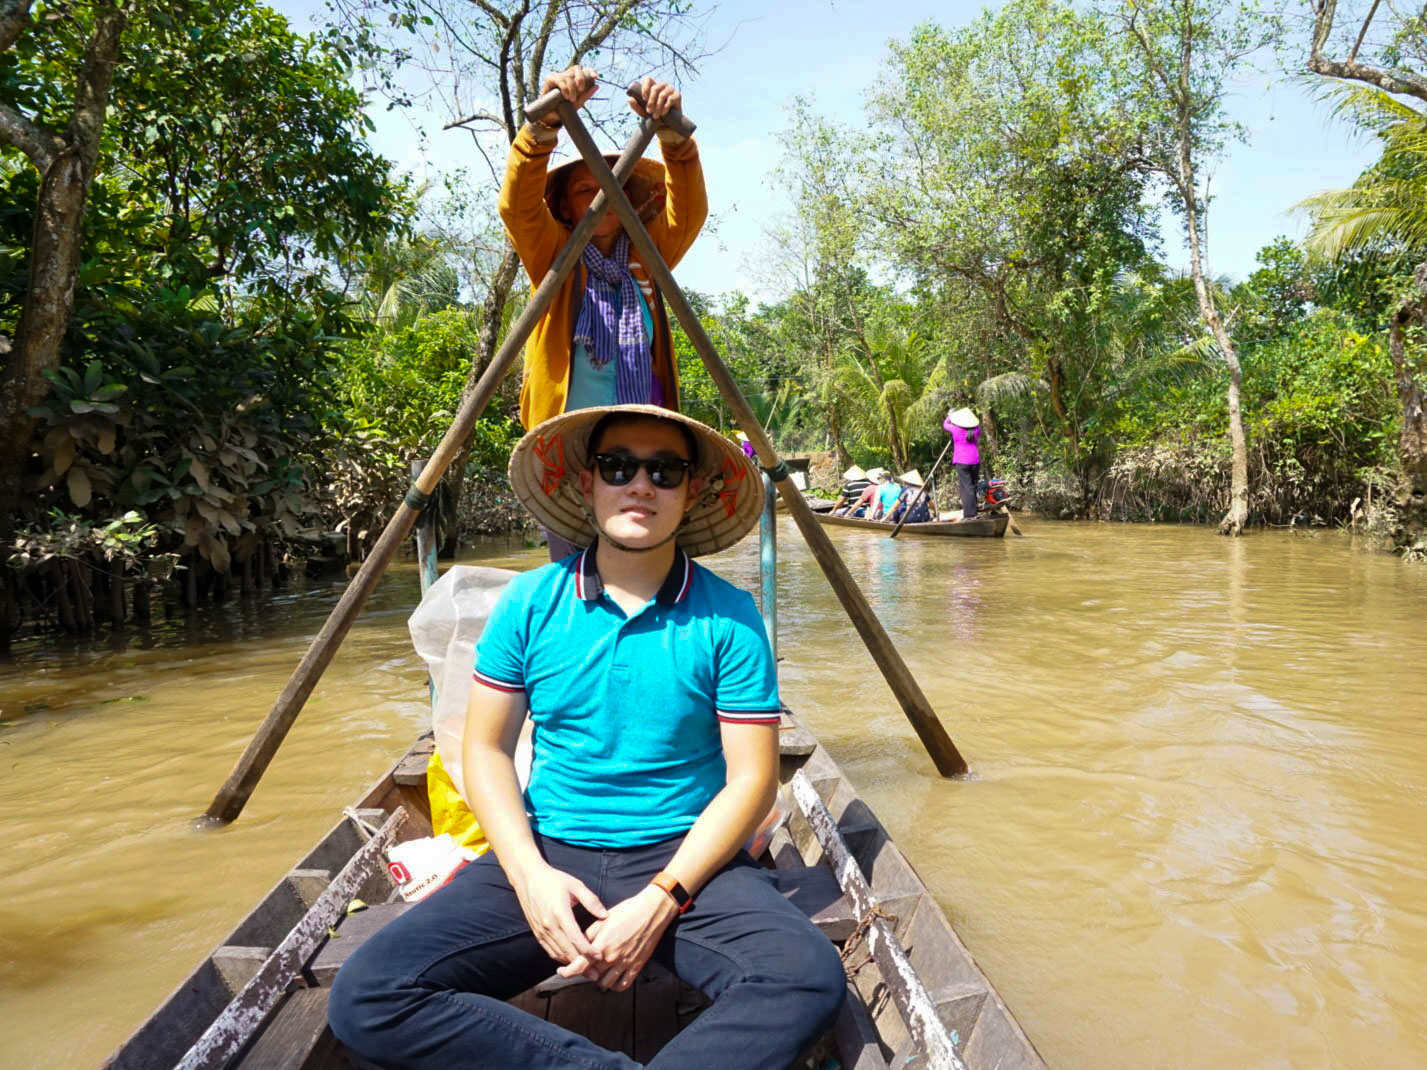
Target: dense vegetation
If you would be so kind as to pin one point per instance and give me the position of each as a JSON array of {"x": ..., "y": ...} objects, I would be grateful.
[{"x": 228, "y": 326}]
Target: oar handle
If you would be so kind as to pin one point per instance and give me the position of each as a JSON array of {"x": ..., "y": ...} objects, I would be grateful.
[
  {"x": 673, "y": 118},
  {"x": 544, "y": 105}
]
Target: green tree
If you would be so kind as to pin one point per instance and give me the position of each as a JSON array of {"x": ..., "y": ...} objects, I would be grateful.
[
  {"x": 54, "y": 113},
  {"x": 1001, "y": 175},
  {"x": 497, "y": 52},
  {"x": 1179, "y": 57},
  {"x": 1383, "y": 212}
]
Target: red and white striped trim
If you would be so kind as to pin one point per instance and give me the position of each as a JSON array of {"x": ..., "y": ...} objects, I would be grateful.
[
  {"x": 688, "y": 578},
  {"x": 498, "y": 685},
  {"x": 580, "y": 573},
  {"x": 750, "y": 716}
]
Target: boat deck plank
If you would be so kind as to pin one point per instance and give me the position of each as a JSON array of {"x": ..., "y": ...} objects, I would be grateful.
[{"x": 296, "y": 1036}]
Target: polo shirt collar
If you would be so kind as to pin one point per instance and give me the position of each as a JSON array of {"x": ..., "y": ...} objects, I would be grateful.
[{"x": 672, "y": 591}]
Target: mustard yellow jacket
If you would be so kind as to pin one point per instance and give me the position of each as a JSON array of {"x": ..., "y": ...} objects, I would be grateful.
[{"x": 538, "y": 237}]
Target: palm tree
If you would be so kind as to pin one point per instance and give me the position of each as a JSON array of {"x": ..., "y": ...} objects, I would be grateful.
[
  {"x": 1386, "y": 210},
  {"x": 885, "y": 384},
  {"x": 1387, "y": 206}
]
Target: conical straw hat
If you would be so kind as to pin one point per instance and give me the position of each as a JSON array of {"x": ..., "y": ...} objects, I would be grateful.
[
  {"x": 645, "y": 187},
  {"x": 853, "y": 473},
  {"x": 963, "y": 418},
  {"x": 545, "y": 467},
  {"x": 913, "y": 477},
  {"x": 876, "y": 473}
]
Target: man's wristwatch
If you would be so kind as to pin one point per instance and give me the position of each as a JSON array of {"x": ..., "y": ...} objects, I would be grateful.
[{"x": 676, "y": 891}]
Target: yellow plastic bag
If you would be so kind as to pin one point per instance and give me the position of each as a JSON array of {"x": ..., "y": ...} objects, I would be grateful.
[{"x": 449, "y": 812}]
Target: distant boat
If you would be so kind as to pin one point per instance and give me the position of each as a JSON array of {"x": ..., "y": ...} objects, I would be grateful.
[
  {"x": 992, "y": 526},
  {"x": 817, "y": 505}
]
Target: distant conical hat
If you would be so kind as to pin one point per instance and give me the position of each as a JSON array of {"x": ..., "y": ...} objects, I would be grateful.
[
  {"x": 913, "y": 477},
  {"x": 853, "y": 473},
  {"x": 876, "y": 473},
  {"x": 963, "y": 418}
]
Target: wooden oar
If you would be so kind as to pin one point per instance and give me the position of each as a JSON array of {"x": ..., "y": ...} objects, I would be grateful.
[
  {"x": 234, "y": 793},
  {"x": 918, "y": 499},
  {"x": 910, "y": 696}
]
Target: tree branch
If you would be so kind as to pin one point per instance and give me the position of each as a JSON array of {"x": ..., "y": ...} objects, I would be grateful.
[
  {"x": 14, "y": 17},
  {"x": 91, "y": 93},
  {"x": 603, "y": 29},
  {"x": 474, "y": 117},
  {"x": 1372, "y": 11},
  {"x": 542, "y": 39},
  {"x": 39, "y": 144},
  {"x": 1405, "y": 83}
]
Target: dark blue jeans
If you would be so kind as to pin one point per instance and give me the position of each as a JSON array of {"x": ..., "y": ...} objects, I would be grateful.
[{"x": 429, "y": 990}]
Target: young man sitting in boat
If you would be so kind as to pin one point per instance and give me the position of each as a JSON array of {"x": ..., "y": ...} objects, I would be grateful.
[{"x": 654, "y": 699}]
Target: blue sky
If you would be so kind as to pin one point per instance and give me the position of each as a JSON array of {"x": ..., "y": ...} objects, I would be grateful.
[{"x": 831, "y": 52}]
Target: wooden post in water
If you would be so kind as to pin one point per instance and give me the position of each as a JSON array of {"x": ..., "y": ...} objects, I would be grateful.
[
  {"x": 908, "y": 692},
  {"x": 425, "y": 535},
  {"x": 426, "y": 558},
  {"x": 768, "y": 562}
]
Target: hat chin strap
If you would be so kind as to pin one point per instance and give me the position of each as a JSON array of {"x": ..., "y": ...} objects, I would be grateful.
[{"x": 607, "y": 537}]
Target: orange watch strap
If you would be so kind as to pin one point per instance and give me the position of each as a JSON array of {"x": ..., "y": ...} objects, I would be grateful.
[{"x": 674, "y": 890}]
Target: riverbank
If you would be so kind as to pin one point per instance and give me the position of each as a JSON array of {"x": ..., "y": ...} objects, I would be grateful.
[{"x": 1194, "y": 760}]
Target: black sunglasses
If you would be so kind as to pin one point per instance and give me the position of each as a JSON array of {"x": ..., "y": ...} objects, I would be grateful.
[{"x": 617, "y": 469}]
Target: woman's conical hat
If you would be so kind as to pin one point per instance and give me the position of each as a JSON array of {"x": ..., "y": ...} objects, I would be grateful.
[
  {"x": 963, "y": 418},
  {"x": 914, "y": 478},
  {"x": 644, "y": 188},
  {"x": 853, "y": 473},
  {"x": 545, "y": 467}
]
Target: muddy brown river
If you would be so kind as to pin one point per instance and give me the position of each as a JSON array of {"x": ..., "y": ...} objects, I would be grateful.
[{"x": 1193, "y": 836}]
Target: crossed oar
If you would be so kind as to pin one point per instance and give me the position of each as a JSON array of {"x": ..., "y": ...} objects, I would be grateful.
[{"x": 234, "y": 793}]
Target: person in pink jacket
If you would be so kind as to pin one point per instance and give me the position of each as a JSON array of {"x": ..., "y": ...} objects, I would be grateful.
[{"x": 965, "y": 431}]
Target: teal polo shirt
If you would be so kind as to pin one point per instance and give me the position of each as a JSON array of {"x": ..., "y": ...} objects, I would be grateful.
[{"x": 626, "y": 709}]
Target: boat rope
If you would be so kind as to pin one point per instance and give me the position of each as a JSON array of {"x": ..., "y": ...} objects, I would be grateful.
[
  {"x": 859, "y": 936},
  {"x": 778, "y": 472}
]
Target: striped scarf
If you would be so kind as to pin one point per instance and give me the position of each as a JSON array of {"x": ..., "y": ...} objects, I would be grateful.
[{"x": 606, "y": 333}]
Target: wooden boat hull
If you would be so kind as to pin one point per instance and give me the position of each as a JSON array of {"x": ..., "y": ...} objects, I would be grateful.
[
  {"x": 817, "y": 505},
  {"x": 983, "y": 527},
  {"x": 871, "y": 1033}
]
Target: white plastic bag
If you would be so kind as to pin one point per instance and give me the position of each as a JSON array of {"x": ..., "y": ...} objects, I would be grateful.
[
  {"x": 421, "y": 866},
  {"x": 444, "y": 630}
]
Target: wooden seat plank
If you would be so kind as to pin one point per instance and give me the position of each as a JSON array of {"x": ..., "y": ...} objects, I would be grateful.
[
  {"x": 352, "y": 933},
  {"x": 814, "y": 890}
]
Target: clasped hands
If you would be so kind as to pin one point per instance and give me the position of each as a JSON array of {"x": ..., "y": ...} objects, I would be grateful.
[
  {"x": 577, "y": 84},
  {"x": 616, "y": 945}
]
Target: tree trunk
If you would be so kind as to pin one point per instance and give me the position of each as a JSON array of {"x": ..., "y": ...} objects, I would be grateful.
[
  {"x": 1233, "y": 521},
  {"x": 1409, "y": 366},
  {"x": 66, "y": 166},
  {"x": 492, "y": 317}
]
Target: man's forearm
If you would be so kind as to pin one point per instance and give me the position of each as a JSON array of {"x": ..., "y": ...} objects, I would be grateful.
[
  {"x": 493, "y": 791},
  {"x": 723, "y": 827}
]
